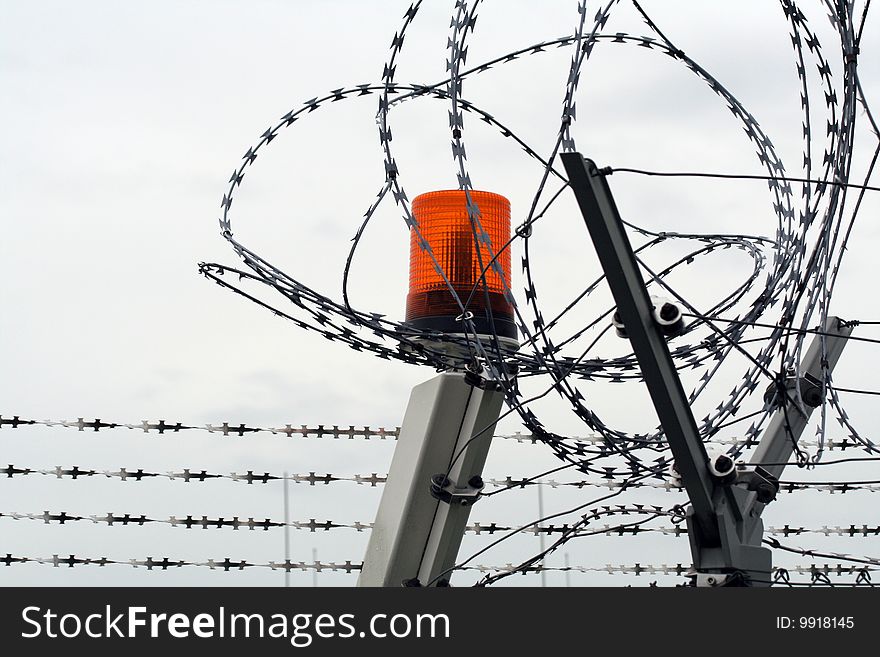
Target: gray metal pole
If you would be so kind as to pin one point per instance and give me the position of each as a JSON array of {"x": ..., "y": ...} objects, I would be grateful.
[
  {"x": 446, "y": 431},
  {"x": 286, "y": 530}
]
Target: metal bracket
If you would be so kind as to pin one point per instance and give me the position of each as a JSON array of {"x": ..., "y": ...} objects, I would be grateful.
[
  {"x": 445, "y": 490},
  {"x": 724, "y": 520},
  {"x": 636, "y": 313},
  {"x": 476, "y": 380}
]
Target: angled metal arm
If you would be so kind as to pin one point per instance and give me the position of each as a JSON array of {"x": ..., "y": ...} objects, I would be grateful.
[
  {"x": 636, "y": 312},
  {"x": 742, "y": 503}
]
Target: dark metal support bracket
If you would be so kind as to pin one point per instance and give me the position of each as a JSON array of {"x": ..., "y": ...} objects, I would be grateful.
[{"x": 724, "y": 520}]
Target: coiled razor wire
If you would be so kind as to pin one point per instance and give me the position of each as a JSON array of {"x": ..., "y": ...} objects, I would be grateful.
[{"x": 794, "y": 268}]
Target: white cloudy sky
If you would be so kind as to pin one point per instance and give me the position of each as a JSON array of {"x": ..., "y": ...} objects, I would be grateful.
[{"x": 120, "y": 124}]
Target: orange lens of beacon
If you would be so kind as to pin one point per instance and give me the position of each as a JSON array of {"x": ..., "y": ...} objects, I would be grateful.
[{"x": 443, "y": 222}]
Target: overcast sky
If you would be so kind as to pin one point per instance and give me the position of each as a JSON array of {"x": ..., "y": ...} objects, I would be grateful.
[{"x": 120, "y": 124}]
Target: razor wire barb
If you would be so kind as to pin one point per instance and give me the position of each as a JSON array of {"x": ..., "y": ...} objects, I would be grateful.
[{"x": 820, "y": 573}]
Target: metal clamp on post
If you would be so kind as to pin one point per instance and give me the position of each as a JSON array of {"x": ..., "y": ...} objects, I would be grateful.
[
  {"x": 811, "y": 390},
  {"x": 667, "y": 315},
  {"x": 724, "y": 522},
  {"x": 450, "y": 419},
  {"x": 475, "y": 380},
  {"x": 445, "y": 490},
  {"x": 709, "y": 579}
]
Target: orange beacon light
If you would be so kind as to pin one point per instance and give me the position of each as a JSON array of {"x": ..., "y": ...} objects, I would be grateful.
[{"x": 442, "y": 219}]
